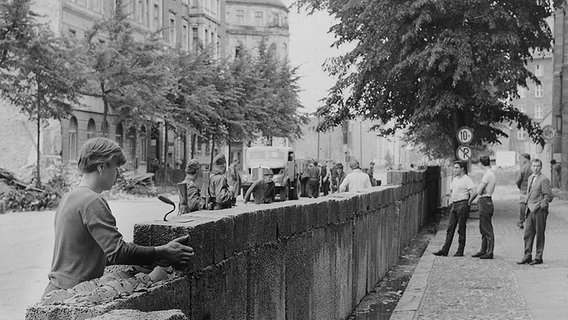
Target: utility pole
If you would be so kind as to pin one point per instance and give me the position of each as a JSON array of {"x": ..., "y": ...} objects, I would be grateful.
[{"x": 560, "y": 94}]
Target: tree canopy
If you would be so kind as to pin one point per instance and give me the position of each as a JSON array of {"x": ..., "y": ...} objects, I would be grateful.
[{"x": 430, "y": 67}]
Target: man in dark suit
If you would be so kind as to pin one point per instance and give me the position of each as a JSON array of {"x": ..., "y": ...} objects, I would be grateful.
[{"x": 539, "y": 195}]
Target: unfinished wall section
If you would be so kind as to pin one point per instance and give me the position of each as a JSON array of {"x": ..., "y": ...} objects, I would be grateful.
[{"x": 306, "y": 259}]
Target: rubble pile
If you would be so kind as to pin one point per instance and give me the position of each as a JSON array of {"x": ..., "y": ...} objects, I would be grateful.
[
  {"x": 111, "y": 286},
  {"x": 136, "y": 183},
  {"x": 16, "y": 195}
]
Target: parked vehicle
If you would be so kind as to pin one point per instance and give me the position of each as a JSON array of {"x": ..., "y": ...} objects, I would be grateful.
[{"x": 281, "y": 161}]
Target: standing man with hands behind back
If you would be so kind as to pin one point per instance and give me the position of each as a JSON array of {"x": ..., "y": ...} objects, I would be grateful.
[
  {"x": 522, "y": 183},
  {"x": 462, "y": 193}
]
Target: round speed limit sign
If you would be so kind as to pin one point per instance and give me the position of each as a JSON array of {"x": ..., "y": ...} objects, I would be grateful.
[{"x": 465, "y": 135}]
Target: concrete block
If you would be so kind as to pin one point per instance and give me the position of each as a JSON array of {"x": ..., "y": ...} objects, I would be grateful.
[
  {"x": 323, "y": 294},
  {"x": 224, "y": 238},
  {"x": 344, "y": 265},
  {"x": 298, "y": 277},
  {"x": 360, "y": 257},
  {"x": 265, "y": 283},
  {"x": 299, "y": 221},
  {"x": 175, "y": 314},
  {"x": 333, "y": 211},
  {"x": 322, "y": 212},
  {"x": 311, "y": 213},
  {"x": 283, "y": 223},
  {"x": 241, "y": 232},
  {"x": 364, "y": 202}
]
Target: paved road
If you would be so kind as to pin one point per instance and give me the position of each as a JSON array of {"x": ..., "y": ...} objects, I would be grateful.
[
  {"x": 26, "y": 242},
  {"x": 470, "y": 288}
]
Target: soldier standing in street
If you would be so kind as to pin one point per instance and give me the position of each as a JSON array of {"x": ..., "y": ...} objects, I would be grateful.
[
  {"x": 340, "y": 176},
  {"x": 314, "y": 179},
  {"x": 189, "y": 193},
  {"x": 234, "y": 179},
  {"x": 220, "y": 194},
  {"x": 522, "y": 182},
  {"x": 462, "y": 192}
]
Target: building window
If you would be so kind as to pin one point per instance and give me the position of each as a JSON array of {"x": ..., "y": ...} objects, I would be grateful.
[
  {"x": 275, "y": 19},
  {"x": 240, "y": 14},
  {"x": 131, "y": 134},
  {"x": 195, "y": 38},
  {"x": 538, "y": 91},
  {"x": 538, "y": 70},
  {"x": 521, "y": 134},
  {"x": 72, "y": 33},
  {"x": 118, "y": 135},
  {"x": 91, "y": 129},
  {"x": 172, "y": 29},
  {"x": 185, "y": 36},
  {"x": 73, "y": 139},
  {"x": 143, "y": 144},
  {"x": 538, "y": 111},
  {"x": 258, "y": 18},
  {"x": 522, "y": 108},
  {"x": 156, "y": 17}
]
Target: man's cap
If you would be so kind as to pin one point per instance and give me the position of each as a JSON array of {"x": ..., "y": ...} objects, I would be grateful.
[
  {"x": 354, "y": 164},
  {"x": 340, "y": 165},
  {"x": 372, "y": 163},
  {"x": 219, "y": 160},
  {"x": 267, "y": 172},
  {"x": 192, "y": 166},
  {"x": 526, "y": 156}
]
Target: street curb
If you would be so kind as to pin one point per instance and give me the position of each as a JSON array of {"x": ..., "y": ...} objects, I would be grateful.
[{"x": 416, "y": 288}]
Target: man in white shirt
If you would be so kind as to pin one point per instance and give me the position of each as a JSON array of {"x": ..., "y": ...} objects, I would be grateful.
[
  {"x": 462, "y": 192},
  {"x": 356, "y": 180},
  {"x": 485, "y": 204}
]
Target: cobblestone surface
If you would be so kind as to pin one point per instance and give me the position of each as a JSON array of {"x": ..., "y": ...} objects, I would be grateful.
[{"x": 470, "y": 288}]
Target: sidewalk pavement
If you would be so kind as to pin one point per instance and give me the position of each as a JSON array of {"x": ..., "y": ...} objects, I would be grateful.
[{"x": 471, "y": 288}]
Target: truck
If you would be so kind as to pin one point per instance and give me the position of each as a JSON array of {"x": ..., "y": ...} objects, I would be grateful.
[{"x": 282, "y": 162}]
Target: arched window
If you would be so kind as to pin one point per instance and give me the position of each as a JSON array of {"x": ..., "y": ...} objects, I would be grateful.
[
  {"x": 73, "y": 139},
  {"x": 91, "y": 129},
  {"x": 273, "y": 50},
  {"x": 285, "y": 49},
  {"x": 143, "y": 144},
  {"x": 238, "y": 50},
  {"x": 104, "y": 128},
  {"x": 118, "y": 136},
  {"x": 131, "y": 135}
]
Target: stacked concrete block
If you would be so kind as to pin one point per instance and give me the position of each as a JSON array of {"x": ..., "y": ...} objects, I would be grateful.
[{"x": 304, "y": 259}]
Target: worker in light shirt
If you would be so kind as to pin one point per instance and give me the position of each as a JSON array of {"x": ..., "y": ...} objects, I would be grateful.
[
  {"x": 356, "y": 180},
  {"x": 462, "y": 193}
]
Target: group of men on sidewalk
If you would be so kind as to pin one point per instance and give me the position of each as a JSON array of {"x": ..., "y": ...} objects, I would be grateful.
[{"x": 535, "y": 194}]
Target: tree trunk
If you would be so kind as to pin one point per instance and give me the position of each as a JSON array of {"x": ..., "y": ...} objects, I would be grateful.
[
  {"x": 104, "y": 128},
  {"x": 166, "y": 143},
  {"x": 38, "y": 165},
  {"x": 212, "y": 155},
  {"x": 193, "y": 138}
]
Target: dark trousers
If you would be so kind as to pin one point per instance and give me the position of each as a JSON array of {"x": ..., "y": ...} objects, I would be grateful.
[
  {"x": 485, "y": 225},
  {"x": 313, "y": 188},
  {"x": 458, "y": 217},
  {"x": 535, "y": 225},
  {"x": 325, "y": 187},
  {"x": 522, "y": 212}
]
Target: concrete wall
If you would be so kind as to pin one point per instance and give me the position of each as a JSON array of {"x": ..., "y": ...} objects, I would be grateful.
[{"x": 305, "y": 259}]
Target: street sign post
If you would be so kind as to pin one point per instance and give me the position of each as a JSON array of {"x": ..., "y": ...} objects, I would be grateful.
[
  {"x": 464, "y": 153},
  {"x": 548, "y": 132},
  {"x": 465, "y": 135}
]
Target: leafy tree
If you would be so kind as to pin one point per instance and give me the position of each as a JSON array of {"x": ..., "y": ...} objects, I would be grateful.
[
  {"x": 434, "y": 66},
  {"x": 277, "y": 101},
  {"x": 130, "y": 76},
  {"x": 16, "y": 28},
  {"x": 43, "y": 81}
]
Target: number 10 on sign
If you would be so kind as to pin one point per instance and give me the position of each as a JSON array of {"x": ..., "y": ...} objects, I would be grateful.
[{"x": 465, "y": 135}]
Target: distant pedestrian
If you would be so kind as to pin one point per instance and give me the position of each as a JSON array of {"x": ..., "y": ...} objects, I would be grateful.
[
  {"x": 339, "y": 177},
  {"x": 314, "y": 179},
  {"x": 539, "y": 195},
  {"x": 263, "y": 189},
  {"x": 371, "y": 173},
  {"x": 86, "y": 236},
  {"x": 234, "y": 179},
  {"x": 326, "y": 178},
  {"x": 462, "y": 192},
  {"x": 555, "y": 173},
  {"x": 220, "y": 194},
  {"x": 356, "y": 180},
  {"x": 485, "y": 204},
  {"x": 190, "y": 198},
  {"x": 522, "y": 182}
]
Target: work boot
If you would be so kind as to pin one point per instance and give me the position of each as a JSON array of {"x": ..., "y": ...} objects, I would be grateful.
[
  {"x": 487, "y": 256},
  {"x": 479, "y": 254},
  {"x": 458, "y": 254}
]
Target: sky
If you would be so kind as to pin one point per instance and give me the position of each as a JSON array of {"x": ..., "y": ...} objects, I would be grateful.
[{"x": 309, "y": 48}]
